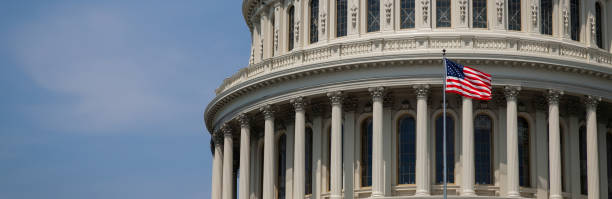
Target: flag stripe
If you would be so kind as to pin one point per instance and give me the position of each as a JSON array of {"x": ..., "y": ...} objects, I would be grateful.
[
  {"x": 467, "y": 81},
  {"x": 467, "y": 94},
  {"x": 465, "y": 88},
  {"x": 481, "y": 88},
  {"x": 476, "y": 71}
]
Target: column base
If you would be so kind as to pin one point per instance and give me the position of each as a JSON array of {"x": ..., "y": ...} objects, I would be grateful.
[
  {"x": 377, "y": 195},
  {"x": 514, "y": 194},
  {"x": 468, "y": 192},
  {"x": 335, "y": 197},
  {"x": 556, "y": 197},
  {"x": 420, "y": 193}
]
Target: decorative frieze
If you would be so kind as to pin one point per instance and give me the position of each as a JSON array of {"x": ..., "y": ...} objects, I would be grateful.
[
  {"x": 490, "y": 44},
  {"x": 445, "y": 43},
  {"x": 355, "y": 48},
  {"x": 533, "y": 46},
  {"x": 397, "y": 45}
]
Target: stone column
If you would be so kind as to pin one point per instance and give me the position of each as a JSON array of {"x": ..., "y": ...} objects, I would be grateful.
[
  {"x": 377, "y": 141},
  {"x": 422, "y": 146},
  {"x": 245, "y": 156},
  {"x": 467, "y": 144},
  {"x": 300, "y": 148},
  {"x": 592, "y": 152},
  {"x": 554, "y": 144},
  {"x": 268, "y": 156},
  {"x": 336, "y": 144},
  {"x": 511, "y": 93},
  {"x": 217, "y": 174},
  {"x": 228, "y": 162}
]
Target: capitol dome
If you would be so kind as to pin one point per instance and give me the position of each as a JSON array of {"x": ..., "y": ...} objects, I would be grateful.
[{"x": 343, "y": 99}]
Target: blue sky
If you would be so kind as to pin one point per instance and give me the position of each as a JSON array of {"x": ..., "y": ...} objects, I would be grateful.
[{"x": 104, "y": 99}]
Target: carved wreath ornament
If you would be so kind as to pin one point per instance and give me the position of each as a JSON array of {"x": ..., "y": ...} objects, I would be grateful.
[
  {"x": 388, "y": 6},
  {"x": 500, "y": 10},
  {"x": 425, "y": 4},
  {"x": 462, "y": 9},
  {"x": 354, "y": 15}
]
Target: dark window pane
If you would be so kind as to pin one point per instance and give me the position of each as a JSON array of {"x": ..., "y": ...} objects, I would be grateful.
[
  {"x": 443, "y": 13},
  {"x": 514, "y": 15},
  {"x": 523, "y": 147},
  {"x": 314, "y": 21},
  {"x": 373, "y": 15},
  {"x": 483, "y": 135},
  {"x": 308, "y": 162},
  {"x": 598, "y": 25},
  {"x": 583, "y": 160},
  {"x": 546, "y": 17},
  {"x": 366, "y": 153},
  {"x": 341, "y": 16},
  {"x": 609, "y": 153},
  {"x": 281, "y": 166},
  {"x": 450, "y": 150},
  {"x": 407, "y": 14},
  {"x": 291, "y": 28},
  {"x": 406, "y": 150},
  {"x": 575, "y": 19},
  {"x": 479, "y": 13}
]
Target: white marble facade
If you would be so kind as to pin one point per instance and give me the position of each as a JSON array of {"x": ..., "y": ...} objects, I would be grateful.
[{"x": 352, "y": 110}]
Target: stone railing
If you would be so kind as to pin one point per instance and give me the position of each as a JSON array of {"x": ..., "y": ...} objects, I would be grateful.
[{"x": 373, "y": 47}]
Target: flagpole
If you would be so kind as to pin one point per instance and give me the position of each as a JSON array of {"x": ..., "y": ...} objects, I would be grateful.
[{"x": 444, "y": 118}]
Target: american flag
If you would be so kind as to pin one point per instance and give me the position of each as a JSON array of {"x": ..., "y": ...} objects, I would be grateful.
[{"x": 467, "y": 81}]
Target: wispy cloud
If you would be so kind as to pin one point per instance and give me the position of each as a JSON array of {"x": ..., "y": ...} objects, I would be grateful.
[{"x": 107, "y": 65}]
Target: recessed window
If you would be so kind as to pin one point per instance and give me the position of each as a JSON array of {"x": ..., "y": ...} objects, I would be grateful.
[
  {"x": 450, "y": 149},
  {"x": 479, "y": 13},
  {"x": 483, "y": 137},
  {"x": 406, "y": 150},
  {"x": 308, "y": 162},
  {"x": 514, "y": 15},
  {"x": 609, "y": 153},
  {"x": 281, "y": 165},
  {"x": 406, "y": 14},
  {"x": 443, "y": 13},
  {"x": 523, "y": 149},
  {"x": 583, "y": 160},
  {"x": 575, "y": 19},
  {"x": 314, "y": 21},
  {"x": 546, "y": 17},
  {"x": 341, "y": 17},
  {"x": 366, "y": 153},
  {"x": 598, "y": 25},
  {"x": 291, "y": 31},
  {"x": 373, "y": 15}
]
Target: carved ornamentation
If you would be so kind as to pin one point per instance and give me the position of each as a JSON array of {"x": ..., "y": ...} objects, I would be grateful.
[
  {"x": 553, "y": 96},
  {"x": 405, "y": 105},
  {"x": 593, "y": 29},
  {"x": 591, "y": 101},
  {"x": 388, "y": 7},
  {"x": 377, "y": 92},
  {"x": 534, "y": 13},
  {"x": 297, "y": 32},
  {"x": 421, "y": 91},
  {"x": 565, "y": 19},
  {"x": 316, "y": 109},
  {"x": 323, "y": 19},
  {"x": 298, "y": 103},
  {"x": 350, "y": 104},
  {"x": 267, "y": 111},
  {"x": 425, "y": 6},
  {"x": 275, "y": 39},
  {"x": 252, "y": 58},
  {"x": 354, "y": 10},
  {"x": 261, "y": 48},
  {"x": 499, "y": 99},
  {"x": 388, "y": 100},
  {"x": 335, "y": 97},
  {"x": 462, "y": 10},
  {"x": 243, "y": 119},
  {"x": 500, "y": 10},
  {"x": 226, "y": 129},
  {"x": 218, "y": 138},
  {"x": 511, "y": 92}
]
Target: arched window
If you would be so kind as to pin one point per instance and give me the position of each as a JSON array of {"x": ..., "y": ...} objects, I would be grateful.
[
  {"x": 273, "y": 27},
  {"x": 443, "y": 13},
  {"x": 341, "y": 16},
  {"x": 308, "y": 161},
  {"x": 406, "y": 14},
  {"x": 583, "y": 160},
  {"x": 514, "y": 15},
  {"x": 609, "y": 156},
  {"x": 523, "y": 149},
  {"x": 406, "y": 150},
  {"x": 291, "y": 30},
  {"x": 598, "y": 25},
  {"x": 575, "y": 19},
  {"x": 282, "y": 160},
  {"x": 479, "y": 13},
  {"x": 483, "y": 137},
  {"x": 373, "y": 15},
  {"x": 450, "y": 149},
  {"x": 366, "y": 153},
  {"x": 546, "y": 17},
  {"x": 314, "y": 21}
]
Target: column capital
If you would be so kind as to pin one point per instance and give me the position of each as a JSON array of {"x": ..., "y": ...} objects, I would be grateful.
[
  {"x": 298, "y": 103},
  {"x": 552, "y": 96},
  {"x": 591, "y": 101},
  {"x": 217, "y": 138},
  {"x": 335, "y": 97},
  {"x": 267, "y": 111},
  {"x": 421, "y": 90},
  {"x": 243, "y": 119},
  {"x": 511, "y": 92},
  {"x": 226, "y": 129},
  {"x": 377, "y": 92}
]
